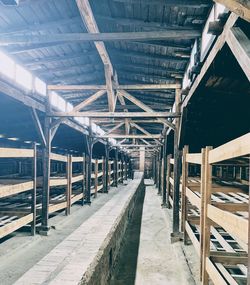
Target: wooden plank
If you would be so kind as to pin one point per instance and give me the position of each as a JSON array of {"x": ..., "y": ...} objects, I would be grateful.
[
  {"x": 7, "y": 190},
  {"x": 239, "y": 7},
  {"x": 214, "y": 273},
  {"x": 193, "y": 198},
  {"x": 144, "y": 107},
  {"x": 240, "y": 46},
  {"x": 233, "y": 224},
  {"x": 76, "y": 198},
  {"x": 77, "y": 159},
  {"x": 210, "y": 58},
  {"x": 15, "y": 225},
  {"x": 118, "y": 136},
  {"x": 58, "y": 157},
  {"x": 57, "y": 207},
  {"x": 16, "y": 152},
  {"x": 77, "y": 178},
  {"x": 232, "y": 149},
  {"x": 99, "y": 37},
  {"x": 192, "y": 237},
  {"x": 115, "y": 114},
  {"x": 88, "y": 101},
  {"x": 165, "y": 86},
  {"x": 194, "y": 158}
]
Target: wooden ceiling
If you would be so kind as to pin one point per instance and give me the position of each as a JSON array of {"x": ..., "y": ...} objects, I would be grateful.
[{"x": 135, "y": 62}]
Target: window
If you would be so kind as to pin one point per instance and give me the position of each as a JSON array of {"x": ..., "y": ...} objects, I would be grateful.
[
  {"x": 23, "y": 77},
  {"x": 40, "y": 86},
  {"x": 7, "y": 66}
]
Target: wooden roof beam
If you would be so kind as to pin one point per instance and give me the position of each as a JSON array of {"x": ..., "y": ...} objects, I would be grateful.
[
  {"x": 98, "y": 38},
  {"x": 91, "y": 25},
  {"x": 131, "y": 136},
  {"x": 239, "y": 7},
  {"x": 165, "y": 86},
  {"x": 115, "y": 114},
  {"x": 144, "y": 107},
  {"x": 175, "y": 3}
]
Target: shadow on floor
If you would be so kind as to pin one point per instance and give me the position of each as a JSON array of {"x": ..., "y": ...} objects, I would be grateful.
[{"x": 125, "y": 270}]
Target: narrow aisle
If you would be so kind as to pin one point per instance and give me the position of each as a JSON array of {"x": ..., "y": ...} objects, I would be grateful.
[{"x": 158, "y": 260}]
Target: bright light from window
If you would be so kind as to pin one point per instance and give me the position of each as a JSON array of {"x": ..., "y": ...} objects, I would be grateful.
[
  {"x": 7, "y": 65},
  {"x": 69, "y": 107},
  {"x": 40, "y": 86},
  {"x": 58, "y": 102},
  {"x": 23, "y": 77}
]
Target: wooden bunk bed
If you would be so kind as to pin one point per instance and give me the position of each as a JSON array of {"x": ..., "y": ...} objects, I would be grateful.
[
  {"x": 13, "y": 218},
  {"x": 215, "y": 211}
]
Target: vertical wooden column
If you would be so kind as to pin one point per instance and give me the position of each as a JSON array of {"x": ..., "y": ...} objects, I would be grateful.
[
  {"x": 248, "y": 267},
  {"x": 126, "y": 168},
  {"x": 116, "y": 168},
  {"x": 177, "y": 170},
  {"x": 89, "y": 167},
  {"x": 155, "y": 170},
  {"x": 160, "y": 172},
  {"x": 69, "y": 184},
  {"x": 122, "y": 167},
  {"x": 84, "y": 177},
  {"x": 103, "y": 174},
  {"x": 96, "y": 176},
  {"x": 164, "y": 175},
  {"x": 33, "y": 205},
  {"x": 183, "y": 192},
  {"x": 206, "y": 223},
  {"x": 106, "y": 169},
  {"x": 202, "y": 193},
  {"x": 109, "y": 174},
  {"x": 46, "y": 168},
  {"x": 168, "y": 180}
]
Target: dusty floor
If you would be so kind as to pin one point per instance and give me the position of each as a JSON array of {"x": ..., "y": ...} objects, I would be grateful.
[
  {"x": 159, "y": 261},
  {"x": 19, "y": 254}
]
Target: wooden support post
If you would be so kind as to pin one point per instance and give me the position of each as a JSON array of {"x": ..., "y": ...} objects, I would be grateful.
[
  {"x": 89, "y": 169},
  {"x": 122, "y": 167},
  {"x": 106, "y": 170},
  {"x": 168, "y": 180},
  {"x": 69, "y": 184},
  {"x": 160, "y": 172},
  {"x": 248, "y": 270},
  {"x": 164, "y": 175},
  {"x": 206, "y": 222},
  {"x": 96, "y": 176},
  {"x": 46, "y": 170},
  {"x": 84, "y": 177},
  {"x": 184, "y": 203},
  {"x": 109, "y": 174},
  {"x": 126, "y": 168},
  {"x": 177, "y": 165},
  {"x": 103, "y": 174},
  {"x": 116, "y": 168},
  {"x": 33, "y": 205},
  {"x": 155, "y": 169}
]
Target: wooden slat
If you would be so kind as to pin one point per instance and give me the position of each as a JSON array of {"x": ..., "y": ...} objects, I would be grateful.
[
  {"x": 193, "y": 198},
  {"x": 16, "y": 153},
  {"x": 232, "y": 149},
  {"x": 76, "y": 198},
  {"x": 194, "y": 158},
  {"x": 7, "y": 190},
  {"x": 214, "y": 273},
  {"x": 58, "y": 157},
  {"x": 13, "y": 226},
  {"x": 193, "y": 238},
  {"x": 77, "y": 159},
  {"x": 57, "y": 207},
  {"x": 233, "y": 224}
]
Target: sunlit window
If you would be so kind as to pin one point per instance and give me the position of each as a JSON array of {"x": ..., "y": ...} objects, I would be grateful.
[
  {"x": 23, "y": 77},
  {"x": 40, "y": 86},
  {"x": 7, "y": 65}
]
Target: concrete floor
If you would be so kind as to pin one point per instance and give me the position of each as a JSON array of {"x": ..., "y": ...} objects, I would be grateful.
[
  {"x": 159, "y": 261},
  {"x": 19, "y": 253}
]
